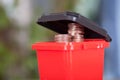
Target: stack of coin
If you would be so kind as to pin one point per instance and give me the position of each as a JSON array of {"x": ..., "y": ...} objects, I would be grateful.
[
  {"x": 75, "y": 34},
  {"x": 76, "y": 31},
  {"x": 62, "y": 38}
]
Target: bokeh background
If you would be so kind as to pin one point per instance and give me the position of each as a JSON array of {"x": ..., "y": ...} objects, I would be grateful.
[{"x": 18, "y": 31}]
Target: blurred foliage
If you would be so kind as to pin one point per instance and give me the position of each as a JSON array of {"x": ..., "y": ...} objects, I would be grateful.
[
  {"x": 4, "y": 21},
  {"x": 10, "y": 58},
  {"x": 6, "y": 58},
  {"x": 16, "y": 2},
  {"x": 39, "y": 33},
  {"x": 31, "y": 64},
  {"x": 64, "y": 5},
  {"x": 88, "y": 8}
]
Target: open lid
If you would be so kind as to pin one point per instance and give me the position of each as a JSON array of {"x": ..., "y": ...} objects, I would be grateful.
[{"x": 58, "y": 22}]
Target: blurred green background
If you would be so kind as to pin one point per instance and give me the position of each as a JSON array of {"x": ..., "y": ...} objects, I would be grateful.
[{"x": 18, "y": 31}]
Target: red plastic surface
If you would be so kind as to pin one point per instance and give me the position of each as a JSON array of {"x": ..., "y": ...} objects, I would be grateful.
[{"x": 71, "y": 61}]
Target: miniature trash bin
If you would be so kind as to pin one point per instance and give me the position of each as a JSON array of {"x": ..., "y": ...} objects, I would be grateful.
[{"x": 71, "y": 60}]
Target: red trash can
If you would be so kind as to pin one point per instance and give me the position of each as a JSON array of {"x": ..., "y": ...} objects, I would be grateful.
[{"x": 71, "y": 60}]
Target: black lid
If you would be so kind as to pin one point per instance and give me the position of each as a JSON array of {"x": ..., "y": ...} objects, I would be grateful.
[{"x": 58, "y": 22}]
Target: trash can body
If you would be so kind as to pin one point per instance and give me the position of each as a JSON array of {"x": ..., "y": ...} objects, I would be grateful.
[{"x": 71, "y": 60}]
